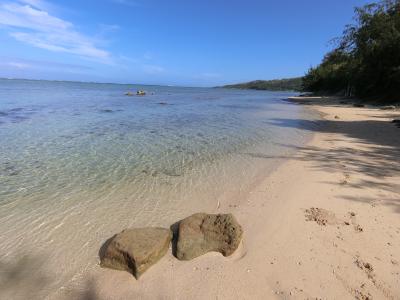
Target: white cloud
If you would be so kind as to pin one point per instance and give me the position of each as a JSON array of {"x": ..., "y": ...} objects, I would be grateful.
[
  {"x": 42, "y": 30},
  {"x": 18, "y": 65},
  {"x": 13, "y": 63}
]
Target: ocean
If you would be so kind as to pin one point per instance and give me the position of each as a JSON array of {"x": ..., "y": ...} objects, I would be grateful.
[{"x": 79, "y": 162}]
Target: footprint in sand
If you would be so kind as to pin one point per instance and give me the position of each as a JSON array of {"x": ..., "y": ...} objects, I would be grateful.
[
  {"x": 356, "y": 226},
  {"x": 325, "y": 217},
  {"x": 345, "y": 179},
  {"x": 321, "y": 216},
  {"x": 369, "y": 271},
  {"x": 360, "y": 295}
]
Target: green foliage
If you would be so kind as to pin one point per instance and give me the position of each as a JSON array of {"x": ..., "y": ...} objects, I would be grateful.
[
  {"x": 290, "y": 84},
  {"x": 366, "y": 61}
]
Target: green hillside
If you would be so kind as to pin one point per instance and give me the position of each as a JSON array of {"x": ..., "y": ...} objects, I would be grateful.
[{"x": 289, "y": 84}]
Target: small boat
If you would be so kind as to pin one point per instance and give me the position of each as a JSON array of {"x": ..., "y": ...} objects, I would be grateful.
[{"x": 140, "y": 93}]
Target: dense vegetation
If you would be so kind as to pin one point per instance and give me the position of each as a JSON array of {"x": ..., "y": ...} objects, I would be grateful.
[
  {"x": 366, "y": 60},
  {"x": 290, "y": 84}
]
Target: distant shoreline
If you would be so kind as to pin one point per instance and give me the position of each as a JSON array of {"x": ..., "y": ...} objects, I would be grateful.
[
  {"x": 94, "y": 82},
  {"x": 285, "y": 84}
]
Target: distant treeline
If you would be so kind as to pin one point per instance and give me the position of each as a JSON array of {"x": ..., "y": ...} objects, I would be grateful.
[
  {"x": 366, "y": 59},
  {"x": 290, "y": 84}
]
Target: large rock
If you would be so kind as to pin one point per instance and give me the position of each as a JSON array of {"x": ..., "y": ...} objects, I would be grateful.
[
  {"x": 135, "y": 250},
  {"x": 202, "y": 233}
]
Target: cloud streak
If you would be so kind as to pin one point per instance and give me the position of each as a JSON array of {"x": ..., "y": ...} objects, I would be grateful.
[{"x": 32, "y": 25}]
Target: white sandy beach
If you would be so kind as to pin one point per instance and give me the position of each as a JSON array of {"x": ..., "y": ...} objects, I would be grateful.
[{"x": 348, "y": 248}]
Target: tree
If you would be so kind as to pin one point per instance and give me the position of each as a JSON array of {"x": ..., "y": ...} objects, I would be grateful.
[{"x": 366, "y": 61}]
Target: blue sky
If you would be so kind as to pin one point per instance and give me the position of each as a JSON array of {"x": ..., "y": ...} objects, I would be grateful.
[{"x": 177, "y": 42}]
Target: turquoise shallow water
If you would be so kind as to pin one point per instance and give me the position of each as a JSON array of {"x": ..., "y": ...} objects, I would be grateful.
[{"x": 81, "y": 161}]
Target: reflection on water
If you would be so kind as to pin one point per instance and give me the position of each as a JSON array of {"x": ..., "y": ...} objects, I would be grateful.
[{"x": 79, "y": 162}]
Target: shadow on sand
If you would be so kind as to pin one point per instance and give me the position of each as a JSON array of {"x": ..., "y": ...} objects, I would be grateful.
[{"x": 378, "y": 157}]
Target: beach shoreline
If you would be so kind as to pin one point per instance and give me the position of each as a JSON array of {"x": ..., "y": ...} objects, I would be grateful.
[{"x": 323, "y": 225}]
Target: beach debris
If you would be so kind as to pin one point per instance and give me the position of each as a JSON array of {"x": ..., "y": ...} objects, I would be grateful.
[
  {"x": 337, "y": 117},
  {"x": 388, "y": 107},
  {"x": 321, "y": 216},
  {"x": 135, "y": 250},
  {"x": 202, "y": 233},
  {"x": 358, "y": 228}
]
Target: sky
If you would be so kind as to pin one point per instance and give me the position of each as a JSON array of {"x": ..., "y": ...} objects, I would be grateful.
[{"x": 167, "y": 42}]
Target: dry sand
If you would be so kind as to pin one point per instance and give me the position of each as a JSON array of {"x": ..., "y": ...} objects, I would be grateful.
[{"x": 325, "y": 225}]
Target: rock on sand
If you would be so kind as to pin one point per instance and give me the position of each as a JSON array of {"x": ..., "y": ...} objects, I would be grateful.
[
  {"x": 135, "y": 250},
  {"x": 202, "y": 233}
]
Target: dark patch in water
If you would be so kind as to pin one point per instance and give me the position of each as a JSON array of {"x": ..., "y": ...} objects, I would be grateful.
[
  {"x": 149, "y": 172},
  {"x": 171, "y": 173},
  {"x": 9, "y": 170},
  {"x": 16, "y": 109},
  {"x": 17, "y": 115},
  {"x": 106, "y": 110},
  {"x": 18, "y": 119}
]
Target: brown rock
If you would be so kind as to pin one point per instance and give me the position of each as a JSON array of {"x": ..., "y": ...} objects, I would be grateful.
[
  {"x": 135, "y": 250},
  {"x": 202, "y": 233}
]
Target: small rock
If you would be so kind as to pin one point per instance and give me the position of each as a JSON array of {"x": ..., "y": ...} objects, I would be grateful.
[
  {"x": 135, "y": 250},
  {"x": 202, "y": 233},
  {"x": 337, "y": 117}
]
